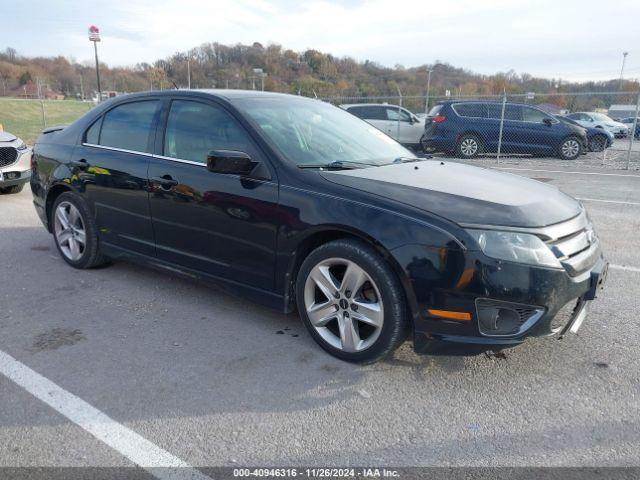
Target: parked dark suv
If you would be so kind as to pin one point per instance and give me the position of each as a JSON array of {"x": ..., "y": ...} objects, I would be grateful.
[
  {"x": 300, "y": 205},
  {"x": 470, "y": 128}
]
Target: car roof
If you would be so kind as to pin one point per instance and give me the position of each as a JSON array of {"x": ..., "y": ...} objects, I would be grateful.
[
  {"x": 225, "y": 94},
  {"x": 347, "y": 105}
]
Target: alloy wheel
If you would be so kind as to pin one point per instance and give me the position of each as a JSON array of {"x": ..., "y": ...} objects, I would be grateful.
[
  {"x": 469, "y": 147},
  {"x": 570, "y": 148},
  {"x": 343, "y": 305},
  {"x": 70, "y": 231}
]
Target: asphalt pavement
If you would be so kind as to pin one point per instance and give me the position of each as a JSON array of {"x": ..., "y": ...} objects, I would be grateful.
[{"x": 212, "y": 380}]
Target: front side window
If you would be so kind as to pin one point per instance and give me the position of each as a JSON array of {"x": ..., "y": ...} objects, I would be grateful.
[
  {"x": 129, "y": 126},
  {"x": 534, "y": 115},
  {"x": 195, "y": 128},
  {"x": 396, "y": 114}
]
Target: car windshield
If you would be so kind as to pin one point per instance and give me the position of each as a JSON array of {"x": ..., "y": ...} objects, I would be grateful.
[
  {"x": 313, "y": 133},
  {"x": 601, "y": 117}
]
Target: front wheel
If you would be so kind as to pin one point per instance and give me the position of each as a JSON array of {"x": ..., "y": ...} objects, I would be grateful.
[
  {"x": 570, "y": 148},
  {"x": 351, "y": 301}
]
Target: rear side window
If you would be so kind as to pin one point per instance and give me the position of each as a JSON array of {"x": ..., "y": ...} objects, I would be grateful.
[
  {"x": 369, "y": 113},
  {"x": 93, "y": 134},
  {"x": 478, "y": 110},
  {"x": 195, "y": 128},
  {"x": 511, "y": 112},
  {"x": 128, "y": 126}
]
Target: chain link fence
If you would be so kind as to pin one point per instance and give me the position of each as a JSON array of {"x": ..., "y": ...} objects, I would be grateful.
[
  {"x": 499, "y": 127},
  {"x": 511, "y": 126}
]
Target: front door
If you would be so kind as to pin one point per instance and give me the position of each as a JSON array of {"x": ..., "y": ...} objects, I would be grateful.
[{"x": 222, "y": 225}]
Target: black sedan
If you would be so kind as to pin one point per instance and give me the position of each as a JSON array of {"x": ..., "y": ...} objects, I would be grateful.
[{"x": 299, "y": 205}]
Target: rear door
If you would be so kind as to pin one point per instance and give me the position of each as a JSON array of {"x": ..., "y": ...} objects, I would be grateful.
[
  {"x": 219, "y": 224},
  {"x": 112, "y": 163}
]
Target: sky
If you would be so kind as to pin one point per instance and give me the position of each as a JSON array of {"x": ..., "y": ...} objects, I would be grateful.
[{"x": 575, "y": 40}]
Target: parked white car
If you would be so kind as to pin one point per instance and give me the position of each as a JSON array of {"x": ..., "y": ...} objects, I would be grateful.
[
  {"x": 399, "y": 123},
  {"x": 15, "y": 163},
  {"x": 600, "y": 120}
]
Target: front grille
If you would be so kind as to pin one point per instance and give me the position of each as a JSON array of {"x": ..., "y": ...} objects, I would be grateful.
[
  {"x": 576, "y": 245},
  {"x": 8, "y": 155}
]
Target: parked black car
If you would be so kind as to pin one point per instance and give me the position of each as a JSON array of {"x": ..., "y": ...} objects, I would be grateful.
[
  {"x": 298, "y": 204},
  {"x": 598, "y": 139},
  {"x": 470, "y": 128}
]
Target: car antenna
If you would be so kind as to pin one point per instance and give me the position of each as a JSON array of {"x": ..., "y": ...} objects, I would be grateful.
[{"x": 174, "y": 84}]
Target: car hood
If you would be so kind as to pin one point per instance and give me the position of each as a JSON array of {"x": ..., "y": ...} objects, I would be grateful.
[
  {"x": 464, "y": 194},
  {"x": 7, "y": 137}
]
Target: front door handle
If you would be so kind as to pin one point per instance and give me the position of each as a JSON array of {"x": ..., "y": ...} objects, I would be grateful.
[{"x": 165, "y": 181}]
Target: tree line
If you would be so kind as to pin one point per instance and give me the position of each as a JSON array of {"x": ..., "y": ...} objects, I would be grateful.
[{"x": 309, "y": 73}]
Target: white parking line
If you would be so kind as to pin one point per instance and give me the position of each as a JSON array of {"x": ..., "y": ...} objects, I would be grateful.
[
  {"x": 624, "y": 268},
  {"x": 620, "y": 202},
  {"x": 567, "y": 172},
  {"x": 139, "y": 450}
]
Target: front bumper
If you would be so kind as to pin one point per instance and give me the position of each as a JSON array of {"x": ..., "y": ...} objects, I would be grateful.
[
  {"x": 9, "y": 178},
  {"x": 458, "y": 281}
]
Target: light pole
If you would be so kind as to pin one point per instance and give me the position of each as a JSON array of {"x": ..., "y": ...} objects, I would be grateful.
[
  {"x": 94, "y": 36},
  {"x": 426, "y": 102},
  {"x": 624, "y": 59},
  {"x": 188, "y": 73}
]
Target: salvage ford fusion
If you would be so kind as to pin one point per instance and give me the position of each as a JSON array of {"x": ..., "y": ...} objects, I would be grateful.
[{"x": 297, "y": 204}]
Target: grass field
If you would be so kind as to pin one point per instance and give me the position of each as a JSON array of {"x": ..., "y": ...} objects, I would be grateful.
[{"x": 24, "y": 117}]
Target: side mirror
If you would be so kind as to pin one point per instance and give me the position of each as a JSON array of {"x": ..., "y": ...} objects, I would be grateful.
[
  {"x": 414, "y": 119},
  {"x": 547, "y": 121},
  {"x": 230, "y": 162}
]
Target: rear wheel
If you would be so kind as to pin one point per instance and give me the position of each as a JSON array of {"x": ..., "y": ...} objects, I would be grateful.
[
  {"x": 570, "y": 148},
  {"x": 12, "y": 189},
  {"x": 351, "y": 301},
  {"x": 75, "y": 232},
  {"x": 468, "y": 146}
]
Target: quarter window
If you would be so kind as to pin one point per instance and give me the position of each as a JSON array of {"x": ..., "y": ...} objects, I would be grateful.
[
  {"x": 194, "y": 129},
  {"x": 93, "y": 133},
  {"x": 129, "y": 126}
]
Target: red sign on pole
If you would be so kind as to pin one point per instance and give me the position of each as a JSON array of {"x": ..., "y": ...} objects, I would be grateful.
[{"x": 94, "y": 33}]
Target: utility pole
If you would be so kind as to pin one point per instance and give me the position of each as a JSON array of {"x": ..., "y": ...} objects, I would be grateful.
[
  {"x": 188, "y": 73},
  {"x": 426, "y": 102},
  {"x": 624, "y": 59},
  {"x": 94, "y": 36}
]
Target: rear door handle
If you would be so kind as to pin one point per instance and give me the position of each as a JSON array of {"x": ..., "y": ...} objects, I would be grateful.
[
  {"x": 82, "y": 164},
  {"x": 165, "y": 181}
]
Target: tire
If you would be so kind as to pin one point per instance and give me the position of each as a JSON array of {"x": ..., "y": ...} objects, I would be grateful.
[
  {"x": 11, "y": 190},
  {"x": 570, "y": 148},
  {"x": 598, "y": 143},
  {"x": 360, "y": 326},
  {"x": 75, "y": 232},
  {"x": 468, "y": 146}
]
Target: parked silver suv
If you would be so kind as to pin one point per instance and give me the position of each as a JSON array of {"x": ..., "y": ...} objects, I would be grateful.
[
  {"x": 397, "y": 122},
  {"x": 15, "y": 163}
]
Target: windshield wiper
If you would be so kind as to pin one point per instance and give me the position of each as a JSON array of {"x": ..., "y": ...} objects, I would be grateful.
[
  {"x": 339, "y": 165},
  {"x": 407, "y": 159}
]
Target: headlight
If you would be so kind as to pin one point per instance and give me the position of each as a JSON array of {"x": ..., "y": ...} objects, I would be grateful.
[
  {"x": 22, "y": 146},
  {"x": 515, "y": 247}
]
